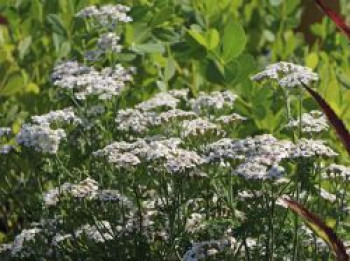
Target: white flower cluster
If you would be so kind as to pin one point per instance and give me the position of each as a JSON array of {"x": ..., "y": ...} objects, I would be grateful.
[
  {"x": 198, "y": 126},
  {"x": 162, "y": 99},
  {"x": 174, "y": 114},
  {"x": 337, "y": 171},
  {"x": 41, "y": 137},
  {"x": 262, "y": 154},
  {"x": 66, "y": 115},
  {"x": 311, "y": 122},
  {"x": 255, "y": 168},
  {"x": 146, "y": 114},
  {"x": 86, "y": 189},
  {"x": 287, "y": 74},
  {"x": 18, "y": 248},
  {"x": 232, "y": 118},
  {"x": 206, "y": 249},
  {"x": 135, "y": 120},
  {"x": 176, "y": 160},
  {"x": 107, "y": 43},
  {"x": 327, "y": 195},
  {"x": 107, "y": 15},
  {"x": 140, "y": 121},
  {"x": 266, "y": 146},
  {"x": 306, "y": 148},
  {"x": 87, "y": 81},
  {"x": 5, "y": 131},
  {"x": 214, "y": 100}
]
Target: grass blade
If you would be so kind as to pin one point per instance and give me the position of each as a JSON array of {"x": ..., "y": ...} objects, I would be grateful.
[
  {"x": 339, "y": 21},
  {"x": 320, "y": 228},
  {"x": 3, "y": 20}
]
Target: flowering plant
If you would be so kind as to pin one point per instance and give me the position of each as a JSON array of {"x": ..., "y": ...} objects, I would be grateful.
[{"x": 149, "y": 155}]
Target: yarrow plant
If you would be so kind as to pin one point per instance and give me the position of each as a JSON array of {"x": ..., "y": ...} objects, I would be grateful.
[{"x": 179, "y": 174}]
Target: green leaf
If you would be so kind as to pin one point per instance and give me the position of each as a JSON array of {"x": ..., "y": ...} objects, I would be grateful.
[
  {"x": 311, "y": 60},
  {"x": 233, "y": 41},
  {"x": 23, "y": 47},
  {"x": 56, "y": 24},
  {"x": 14, "y": 84},
  {"x": 196, "y": 35},
  {"x": 212, "y": 39},
  {"x": 148, "y": 48}
]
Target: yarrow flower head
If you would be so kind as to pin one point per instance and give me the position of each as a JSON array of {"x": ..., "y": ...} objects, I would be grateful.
[
  {"x": 307, "y": 148},
  {"x": 87, "y": 81},
  {"x": 215, "y": 100},
  {"x": 311, "y": 122},
  {"x": 66, "y": 115},
  {"x": 108, "y": 15},
  {"x": 162, "y": 99},
  {"x": 198, "y": 126},
  {"x": 288, "y": 75},
  {"x": 40, "y": 137}
]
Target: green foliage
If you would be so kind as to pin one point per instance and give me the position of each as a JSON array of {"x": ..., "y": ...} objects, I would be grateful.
[{"x": 200, "y": 45}]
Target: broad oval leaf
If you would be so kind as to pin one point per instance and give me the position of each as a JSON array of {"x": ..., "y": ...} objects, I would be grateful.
[{"x": 233, "y": 41}]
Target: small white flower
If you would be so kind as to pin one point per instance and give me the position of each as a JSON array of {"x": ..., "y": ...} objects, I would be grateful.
[
  {"x": 87, "y": 81},
  {"x": 162, "y": 99},
  {"x": 66, "y": 115},
  {"x": 312, "y": 122},
  {"x": 107, "y": 15},
  {"x": 232, "y": 118},
  {"x": 215, "y": 100},
  {"x": 40, "y": 137},
  {"x": 306, "y": 148},
  {"x": 287, "y": 74},
  {"x": 198, "y": 126}
]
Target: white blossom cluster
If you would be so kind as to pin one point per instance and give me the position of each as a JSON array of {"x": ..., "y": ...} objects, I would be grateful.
[
  {"x": 266, "y": 146},
  {"x": 198, "y": 126},
  {"x": 107, "y": 15},
  {"x": 229, "y": 119},
  {"x": 5, "y": 131},
  {"x": 86, "y": 81},
  {"x": 206, "y": 249},
  {"x": 140, "y": 121},
  {"x": 162, "y": 99},
  {"x": 336, "y": 171},
  {"x": 146, "y": 114},
  {"x": 214, "y": 100},
  {"x": 18, "y": 247},
  {"x": 311, "y": 122},
  {"x": 176, "y": 114},
  {"x": 306, "y": 148},
  {"x": 86, "y": 189},
  {"x": 288, "y": 75},
  {"x": 176, "y": 160},
  {"x": 40, "y": 137},
  {"x": 66, "y": 115},
  {"x": 107, "y": 43},
  {"x": 260, "y": 155},
  {"x": 326, "y": 195},
  {"x": 135, "y": 120},
  {"x": 255, "y": 168}
]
